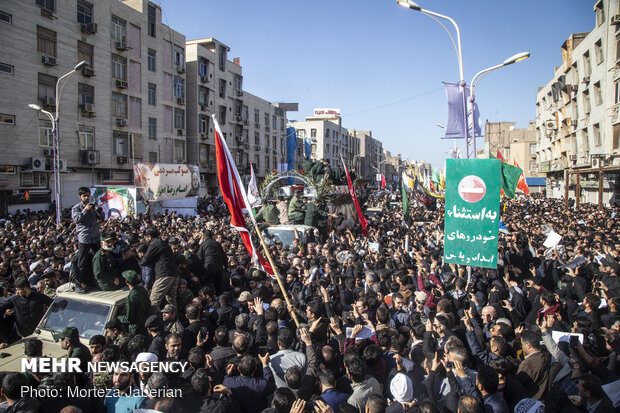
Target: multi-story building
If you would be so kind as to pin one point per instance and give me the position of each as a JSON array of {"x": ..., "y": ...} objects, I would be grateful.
[
  {"x": 577, "y": 122},
  {"x": 127, "y": 105},
  {"x": 371, "y": 154},
  {"x": 392, "y": 167},
  {"x": 329, "y": 139},
  {"x": 516, "y": 144}
]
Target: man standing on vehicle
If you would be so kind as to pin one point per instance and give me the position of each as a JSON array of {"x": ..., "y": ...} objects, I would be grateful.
[
  {"x": 296, "y": 209},
  {"x": 213, "y": 259},
  {"x": 269, "y": 213},
  {"x": 138, "y": 304},
  {"x": 27, "y": 305},
  {"x": 159, "y": 254},
  {"x": 105, "y": 265},
  {"x": 85, "y": 217},
  {"x": 70, "y": 341}
]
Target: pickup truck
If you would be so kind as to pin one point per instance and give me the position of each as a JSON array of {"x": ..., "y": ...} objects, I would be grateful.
[{"x": 89, "y": 312}]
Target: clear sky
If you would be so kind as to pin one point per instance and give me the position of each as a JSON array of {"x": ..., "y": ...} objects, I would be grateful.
[{"x": 383, "y": 65}]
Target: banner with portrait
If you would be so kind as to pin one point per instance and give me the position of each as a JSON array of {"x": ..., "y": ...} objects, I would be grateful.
[
  {"x": 161, "y": 182},
  {"x": 115, "y": 203}
]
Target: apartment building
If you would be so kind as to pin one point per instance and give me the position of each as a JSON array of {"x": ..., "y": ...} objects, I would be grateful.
[
  {"x": 254, "y": 129},
  {"x": 392, "y": 167},
  {"x": 371, "y": 155},
  {"x": 577, "y": 123},
  {"x": 127, "y": 105},
  {"x": 328, "y": 138}
]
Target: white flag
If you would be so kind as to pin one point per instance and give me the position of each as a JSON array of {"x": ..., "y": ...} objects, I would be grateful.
[{"x": 253, "y": 195}]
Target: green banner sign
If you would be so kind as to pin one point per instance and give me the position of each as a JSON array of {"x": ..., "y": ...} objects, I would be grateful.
[{"x": 472, "y": 212}]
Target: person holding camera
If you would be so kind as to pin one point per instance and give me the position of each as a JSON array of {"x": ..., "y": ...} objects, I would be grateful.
[{"x": 84, "y": 215}]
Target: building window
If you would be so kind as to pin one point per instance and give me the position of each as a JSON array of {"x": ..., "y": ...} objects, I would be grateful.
[
  {"x": 152, "y": 19},
  {"x": 274, "y": 122},
  {"x": 152, "y": 94},
  {"x": 282, "y": 123},
  {"x": 203, "y": 124},
  {"x": 617, "y": 46},
  {"x": 238, "y": 107},
  {"x": 179, "y": 89},
  {"x": 616, "y": 92},
  {"x": 151, "y": 60},
  {"x": 598, "y": 49},
  {"x": 256, "y": 138},
  {"x": 86, "y": 94},
  {"x": 84, "y": 12},
  {"x": 586, "y": 102},
  {"x": 179, "y": 59},
  {"x": 153, "y": 157},
  {"x": 33, "y": 179},
  {"x": 204, "y": 153},
  {"x": 118, "y": 29},
  {"x": 152, "y": 128},
  {"x": 222, "y": 111},
  {"x": 179, "y": 118},
  {"x": 179, "y": 151},
  {"x": 119, "y": 67},
  {"x": 47, "y": 4},
  {"x": 598, "y": 93},
  {"x": 532, "y": 165},
  {"x": 596, "y": 130},
  {"x": 616, "y": 137},
  {"x": 266, "y": 119},
  {"x": 85, "y": 53},
  {"x": 46, "y": 41},
  {"x": 238, "y": 82},
  {"x": 222, "y": 88},
  {"x": 600, "y": 13},
  {"x": 120, "y": 143},
  {"x": 256, "y": 116},
  {"x": 203, "y": 96},
  {"x": 203, "y": 67},
  {"x": 87, "y": 137},
  {"x": 532, "y": 149},
  {"x": 222, "y": 58},
  {"x": 7, "y": 119},
  {"x": 119, "y": 105},
  {"x": 327, "y": 131},
  {"x": 245, "y": 112},
  {"x": 46, "y": 136},
  {"x": 5, "y": 17},
  {"x": 9, "y": 69},
  {"x": 47, "y": 89},
  {"x": 587, "y": 67}
]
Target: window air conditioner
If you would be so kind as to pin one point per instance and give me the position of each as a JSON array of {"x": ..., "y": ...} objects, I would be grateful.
[{"x": 48, "y": 60}]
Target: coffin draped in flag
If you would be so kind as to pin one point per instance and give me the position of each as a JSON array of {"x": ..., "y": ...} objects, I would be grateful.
[
  {"x": 235, "y": 197},
  {"x": 361, "y": 217},
  {"x": 455, "y": 127}
]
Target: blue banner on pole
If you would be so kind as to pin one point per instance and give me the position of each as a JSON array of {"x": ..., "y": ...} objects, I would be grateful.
[
  {"x": 455, "y": 127},
  {"x": 292, "y": 148}
]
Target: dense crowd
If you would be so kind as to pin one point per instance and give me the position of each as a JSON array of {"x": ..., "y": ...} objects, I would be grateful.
[{"x": 388, "y": 330}]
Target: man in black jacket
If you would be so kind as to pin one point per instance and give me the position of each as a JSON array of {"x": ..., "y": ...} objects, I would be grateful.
[
  {"x": 160, "y": 255},
  {"x": 214, "y": 259},
  {"x": 27, "y": 305}
]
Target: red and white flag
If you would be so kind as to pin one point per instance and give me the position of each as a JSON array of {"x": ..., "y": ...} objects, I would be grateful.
[
  {"x": 522, "y": 185},
  {"x": 361, "y": 217},
  {"x": 382, "y": 181},
  {"x": 235, "y": 197}
]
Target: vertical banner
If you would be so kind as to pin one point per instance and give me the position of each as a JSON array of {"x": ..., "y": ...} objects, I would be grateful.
[
  {"x": 116, "y": 203},
  {"x": 472, "y": 212},
  {"x": 455, "y": 127}
]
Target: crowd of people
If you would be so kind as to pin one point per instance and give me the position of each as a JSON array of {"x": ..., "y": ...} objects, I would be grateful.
[{"x": 352, "y": 328}]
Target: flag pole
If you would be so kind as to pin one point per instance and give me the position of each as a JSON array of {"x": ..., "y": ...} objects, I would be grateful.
[{"x": 275, "y": 271}]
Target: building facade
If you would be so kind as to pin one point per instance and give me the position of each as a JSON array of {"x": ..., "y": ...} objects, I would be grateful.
[
  {"x": 127, "y": 105},
  {"x": 371, "y": 154},
  {"x": 577, "y": 122}
]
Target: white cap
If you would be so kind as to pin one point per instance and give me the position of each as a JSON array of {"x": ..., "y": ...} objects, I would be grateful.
[
  {"x": 401, "y": 388},
  {"x": 146, "y": 358}
]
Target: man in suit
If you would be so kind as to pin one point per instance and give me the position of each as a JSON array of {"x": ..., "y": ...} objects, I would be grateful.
[
  {"x": 533, "y": 372},
  {"x": 592, "y": 398}
]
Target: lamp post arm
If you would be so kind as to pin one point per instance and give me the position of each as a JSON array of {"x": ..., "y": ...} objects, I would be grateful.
[
  {"x": 458, "y": 38},
  {"x": 481, "y": 74},
  {"x": 50, "y": 116},
  {"x": 59, "y": 91}
]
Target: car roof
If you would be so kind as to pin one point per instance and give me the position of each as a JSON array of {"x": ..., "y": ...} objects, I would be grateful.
[
  {"x": 103, "y": 297},
  {"x": 291, "y": 227}
]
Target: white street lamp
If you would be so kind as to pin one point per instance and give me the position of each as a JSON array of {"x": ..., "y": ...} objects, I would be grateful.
[{"x": 474, "y": 82}]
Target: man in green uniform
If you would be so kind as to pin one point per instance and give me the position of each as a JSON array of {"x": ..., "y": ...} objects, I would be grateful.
[
  {"x": 306, "y": 165},
  {"x": 269, "y": 213},
  {"x": 70, "y": 341},
  {"x": 296, "y": 209},
  {"x": 51, "y": 284},
  {"x": 105, "y": 266},
  {"x": 138, "y": 304},
  {"x": 115, "y": 334}
]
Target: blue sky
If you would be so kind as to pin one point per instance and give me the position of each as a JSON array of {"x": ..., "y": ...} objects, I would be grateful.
[{"x": 383, "y": 65}]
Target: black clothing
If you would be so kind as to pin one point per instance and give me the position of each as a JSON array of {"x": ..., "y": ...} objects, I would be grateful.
[
  {"x": 28, "y": 311},
  {"x": 159, "y": 254}
]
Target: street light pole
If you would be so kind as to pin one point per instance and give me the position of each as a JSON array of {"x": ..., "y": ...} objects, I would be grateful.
[
  {"x": 474, "y": 82},
  {"x": 56, "y": 135},
  {"x": 414, "y": 6}
]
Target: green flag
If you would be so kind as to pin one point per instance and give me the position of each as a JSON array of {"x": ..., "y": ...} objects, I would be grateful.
[
  {"x": 509, "y": 177},
  {"x": 405, "y": 200}
]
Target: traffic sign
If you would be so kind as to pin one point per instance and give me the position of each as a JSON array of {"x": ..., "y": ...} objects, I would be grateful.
[{"x": 471, "y": 221}]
